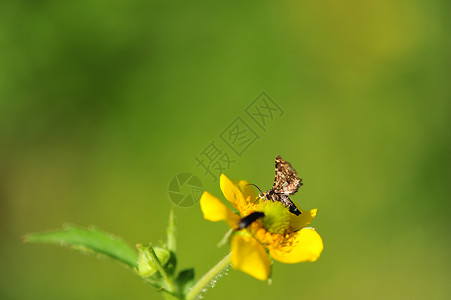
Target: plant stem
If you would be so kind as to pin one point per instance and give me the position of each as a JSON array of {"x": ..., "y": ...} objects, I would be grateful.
[{"x": 208, "y": 277}]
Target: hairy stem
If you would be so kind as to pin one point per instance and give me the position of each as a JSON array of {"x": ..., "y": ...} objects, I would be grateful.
[{"x": 208, "y": 277}]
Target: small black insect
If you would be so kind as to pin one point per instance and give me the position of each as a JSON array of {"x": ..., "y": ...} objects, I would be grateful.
[
  {"x": 286, "y": 183},
  {"x": 249, "y": 219}
]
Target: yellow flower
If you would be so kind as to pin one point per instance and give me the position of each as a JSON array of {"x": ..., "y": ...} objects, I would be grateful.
[{"x": 280, "y": 233}]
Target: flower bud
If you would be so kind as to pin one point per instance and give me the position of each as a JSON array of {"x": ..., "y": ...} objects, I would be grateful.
[{"x": 148, "y": 266}]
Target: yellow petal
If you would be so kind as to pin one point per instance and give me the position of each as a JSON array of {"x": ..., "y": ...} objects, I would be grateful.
[
  {"x": 304, "y": 219},
  {"x": 249, "y": 256},
  {"x": 214, "y": 210},
  {"x": 233, "y": 192},
  {"x": 246, "y": 189},
  {"x": 305, "y": 245}
]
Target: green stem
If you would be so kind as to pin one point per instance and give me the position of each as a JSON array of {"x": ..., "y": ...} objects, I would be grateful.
[{"x": 208, "y": 277}]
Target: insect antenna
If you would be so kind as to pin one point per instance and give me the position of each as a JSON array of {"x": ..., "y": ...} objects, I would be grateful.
[{"x": 256, "y": 187}]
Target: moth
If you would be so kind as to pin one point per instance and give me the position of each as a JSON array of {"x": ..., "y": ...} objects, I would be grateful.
[{"x": 286, "y": 183}]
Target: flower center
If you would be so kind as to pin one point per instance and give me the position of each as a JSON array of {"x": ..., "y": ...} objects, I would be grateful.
[{"x": 277, "y": 217}]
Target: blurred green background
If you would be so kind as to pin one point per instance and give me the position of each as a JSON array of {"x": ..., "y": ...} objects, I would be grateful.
[{"x": 103, "y": 102}]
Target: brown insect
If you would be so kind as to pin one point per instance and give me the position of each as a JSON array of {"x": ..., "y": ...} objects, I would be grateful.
[{"x": 286, "y": 183}]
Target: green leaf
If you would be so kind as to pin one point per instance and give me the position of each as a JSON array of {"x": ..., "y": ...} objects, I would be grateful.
[
  {"x": 90, "y": 240},
  {"x": 171, "y": 264},
  {"x": 185, "y": 280}
]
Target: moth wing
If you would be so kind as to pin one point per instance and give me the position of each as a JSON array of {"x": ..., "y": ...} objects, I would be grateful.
[{"x": 286, "y": 181}]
